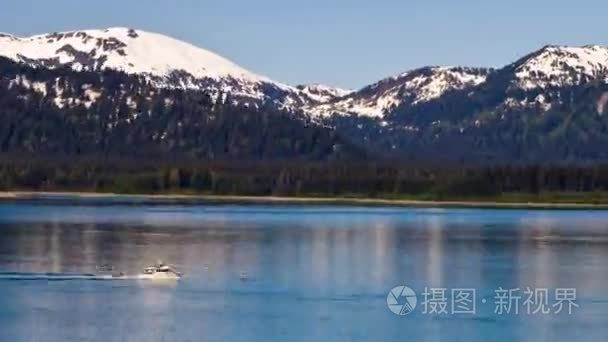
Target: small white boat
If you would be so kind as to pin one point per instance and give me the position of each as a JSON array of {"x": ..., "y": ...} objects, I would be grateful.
[{"x": 160, "y": 272}]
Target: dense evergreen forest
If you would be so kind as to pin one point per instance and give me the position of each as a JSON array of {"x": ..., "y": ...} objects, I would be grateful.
[
  {"x": 111, "y": 132},
  {"x": 109, "y": 113},
  {"x": 302, "y": 178}
]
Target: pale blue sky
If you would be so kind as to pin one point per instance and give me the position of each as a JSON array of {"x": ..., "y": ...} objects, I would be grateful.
[{"x": 342, "y": 43}]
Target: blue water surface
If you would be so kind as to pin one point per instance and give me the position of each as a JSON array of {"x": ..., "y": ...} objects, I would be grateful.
[{"x": 293, "y": 273}]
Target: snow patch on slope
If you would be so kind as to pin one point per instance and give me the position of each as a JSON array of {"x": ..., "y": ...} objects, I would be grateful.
[{"x": 322, "y": 93}]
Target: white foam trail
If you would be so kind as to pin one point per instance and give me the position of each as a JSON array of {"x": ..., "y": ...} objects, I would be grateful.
[{"x": 59, "y": 277}]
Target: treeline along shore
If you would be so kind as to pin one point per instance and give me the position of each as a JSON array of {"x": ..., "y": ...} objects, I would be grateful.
[{"x": 581, "y": 183}]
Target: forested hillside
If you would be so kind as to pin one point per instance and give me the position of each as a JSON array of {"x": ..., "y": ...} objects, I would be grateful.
[
  {"x": 518, "y": 182},
  {"x": 63, "y": 112}
]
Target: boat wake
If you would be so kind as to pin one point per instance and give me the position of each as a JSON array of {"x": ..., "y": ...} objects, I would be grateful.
[{"x": 19, "y": 276}]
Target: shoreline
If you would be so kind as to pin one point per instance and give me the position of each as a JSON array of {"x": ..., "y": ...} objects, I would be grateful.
[{"x": 62, "y": 196}]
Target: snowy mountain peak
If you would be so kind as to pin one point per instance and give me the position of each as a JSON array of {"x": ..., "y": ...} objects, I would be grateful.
[
  {"x": 128, "y": 50},
  {"x": 412, "y": 87},
  {"x": 322, "y": 93},
  {"x": 555, "y": 66},
  {"x": 171, "y": 63},
  {"x": 165, "y": 61},
  {"x": 7, "y": 37},
  {"x": 432, "y": 82}
]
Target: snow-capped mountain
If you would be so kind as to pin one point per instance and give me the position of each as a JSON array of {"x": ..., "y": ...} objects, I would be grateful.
[
  {"x": 134, "y": 52},
  {"x": 549, "y": 104},
  {"x": 168, "y": 62},
  {"x": 165, "y": 61},
  {"x": 558, "y": 66},
  {"x": 171, "y": 63},
  {"x": 543, "y": 71},
  {"x": 412, "y": 87}
]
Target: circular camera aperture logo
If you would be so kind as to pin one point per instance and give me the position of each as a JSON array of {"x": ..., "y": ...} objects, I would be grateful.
[{"x": 401, "y": 300}]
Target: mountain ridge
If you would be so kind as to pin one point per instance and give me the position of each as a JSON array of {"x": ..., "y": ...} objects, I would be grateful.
[
  {"x": 550, "y": 103},
  {"x": 170, "y": 62},
  {"x": 165, "y": 61}
]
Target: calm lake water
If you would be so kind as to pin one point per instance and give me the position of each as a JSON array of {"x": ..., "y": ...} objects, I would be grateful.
[{"x": 272, "y": 273}]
